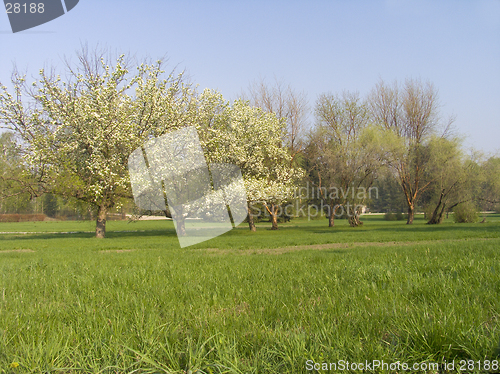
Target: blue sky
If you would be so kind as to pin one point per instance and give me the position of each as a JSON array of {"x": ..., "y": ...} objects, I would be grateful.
[{"x": 315, "y": 46}]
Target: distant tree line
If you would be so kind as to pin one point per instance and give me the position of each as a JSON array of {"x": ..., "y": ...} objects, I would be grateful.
[{"x": 68, "y": 141}]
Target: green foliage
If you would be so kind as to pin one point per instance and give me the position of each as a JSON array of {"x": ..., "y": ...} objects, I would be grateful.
[
  {"x": 428, "y": 210},
  {"x": 50, "y": 205},
  {"x": 13, "y": 198},
  {"x": 490, "y": 186},
  {"x": 390, "y": 197},
  {"x": 400, "y": 216},
  {"x": 390, "y": 216},
  {"x": 394, "y": 216},
  {"x": 466, "y": 213},
  {"x": 409, "y": 115}
]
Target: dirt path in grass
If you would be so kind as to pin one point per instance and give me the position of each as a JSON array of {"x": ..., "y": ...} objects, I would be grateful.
[
  {"x": 17, "y": 250},
  {"x": 321, "y": 247}
]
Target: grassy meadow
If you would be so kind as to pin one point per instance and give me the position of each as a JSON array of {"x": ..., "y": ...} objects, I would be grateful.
[{"x": 263, "y": 302}]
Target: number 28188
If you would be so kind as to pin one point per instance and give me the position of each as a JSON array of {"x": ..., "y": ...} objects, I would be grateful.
[{"x": 25, "y": 8}]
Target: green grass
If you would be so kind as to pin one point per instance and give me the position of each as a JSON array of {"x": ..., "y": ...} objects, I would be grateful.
[
  {"x": 161, "y": 234},
  {"x": 246, "y": 302}
]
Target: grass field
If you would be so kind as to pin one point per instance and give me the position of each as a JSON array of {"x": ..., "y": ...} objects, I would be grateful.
[{"x": 264, "y": 302}]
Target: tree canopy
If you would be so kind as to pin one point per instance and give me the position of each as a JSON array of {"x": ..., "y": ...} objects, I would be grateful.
[
  {"x": 71, "y": 135},
  {"x": 76, "y": 134}
]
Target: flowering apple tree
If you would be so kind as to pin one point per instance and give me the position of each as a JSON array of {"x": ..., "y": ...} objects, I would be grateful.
[
  {"x": 250, "y": 138},
  {"x": 77, "y": 134}
]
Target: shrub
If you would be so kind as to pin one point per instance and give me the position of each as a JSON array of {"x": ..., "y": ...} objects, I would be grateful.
[
  {"x": 466, "y": 213},
  {"x": 390, "y": 217},
  {"x": 22, "y": 217},
  {"x": 10, "y": 217},
  {"x": 428, "y": 210},
  {"x": 400, "y": 216},
  {"x": 32, "y": 217},
  {"x": 313, "y": 213}
]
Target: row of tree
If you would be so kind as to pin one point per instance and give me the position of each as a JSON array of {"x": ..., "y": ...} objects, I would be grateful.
[
  {"x": 72, "y": 138},
  {"x": 392, "y": 141}
]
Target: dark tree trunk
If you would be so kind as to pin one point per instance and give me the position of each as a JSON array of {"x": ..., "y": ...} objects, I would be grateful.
[
  {"x": 437, "y": 214},
  {"x": 354, "y": 221},
  {"x": 100, "y": 226},
  {"x": 251, "y": 223},
  {"x": 411, "y": 214},
  {"x": 441, "y": 214},
  {"x": 331, "y": 218}
]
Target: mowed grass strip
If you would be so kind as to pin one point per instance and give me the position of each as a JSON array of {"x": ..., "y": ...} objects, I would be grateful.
[
  {"x": 138, "y": 302},
  {"x": 299, "y": 232}
]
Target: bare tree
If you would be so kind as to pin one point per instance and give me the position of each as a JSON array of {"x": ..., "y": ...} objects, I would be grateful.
[
  {"x": 341, "y": 159},
  {"x": 410, "y": 113},
  {"x": 288, "y": 105}
]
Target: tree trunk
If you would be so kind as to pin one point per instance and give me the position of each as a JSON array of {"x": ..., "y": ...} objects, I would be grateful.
[
  {"x": 411, "y": 214},
  {"x": 274, "y": 216},
  {"x": 180, "y": 219},
  {"x": 354, "y": 221},
  {"x": 181, "y": 226},
  {"x": 331, "y": 218},
  {"x": 434, "y": 218},
  {"x": 441, "y": 214},
  {"x": 274, "y": 219},
  {"x": 358, "y": 221},
  {"x": 251, "y": 223},
  {"x": 437, "y": 214},
  {"x": 273, "y": 213},
  {"x": 100, "y": 226}
]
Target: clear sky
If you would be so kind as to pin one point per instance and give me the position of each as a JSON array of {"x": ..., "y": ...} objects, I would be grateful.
[{"x": 315, "y": 46}]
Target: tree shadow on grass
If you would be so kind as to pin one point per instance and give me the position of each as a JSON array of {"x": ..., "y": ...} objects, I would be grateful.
[
  {"x": 469, "y": 228},
  {"x": 170, "y": 233},
  {"x": 335, "y": 251},
  {"x": 464, "y": 230}
]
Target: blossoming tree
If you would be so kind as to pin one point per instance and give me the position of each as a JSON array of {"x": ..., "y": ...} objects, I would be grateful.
[
  {"x": 77, "y": 133},
  {"x": 250, "y": 138}
]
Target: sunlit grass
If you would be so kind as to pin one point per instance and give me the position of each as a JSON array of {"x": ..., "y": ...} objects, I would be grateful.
[{"x": 247, "y": 302}]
